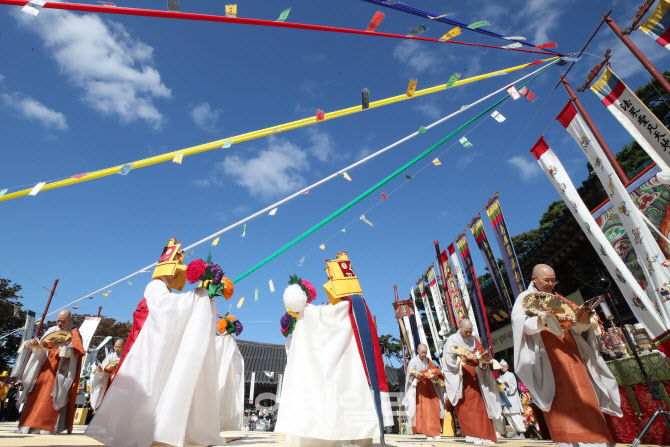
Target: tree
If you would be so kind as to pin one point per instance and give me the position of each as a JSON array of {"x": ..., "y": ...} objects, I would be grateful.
[
  {"x": 390, "y": 347},
  {"x": 11, "y": 319}
]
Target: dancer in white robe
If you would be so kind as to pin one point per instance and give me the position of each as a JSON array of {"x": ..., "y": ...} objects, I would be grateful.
[
  {"x": 513, "y": 414},
  {"x": 231, "y": 382}
]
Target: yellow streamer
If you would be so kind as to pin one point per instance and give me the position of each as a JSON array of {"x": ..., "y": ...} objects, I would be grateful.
[{"x": 257, "y": 134}]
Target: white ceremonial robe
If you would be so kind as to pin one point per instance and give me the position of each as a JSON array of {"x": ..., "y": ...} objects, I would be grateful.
[
  {"x": 409, "y": 401},
  {"x": 515, "y": 413},
  {"x": 533, "y": 367},
  {"x": 326, "y": 400},
  {"x": 100, "y": 380},
  {"x": 163, "y": 390},
  {"x": 231, "y": 382}
]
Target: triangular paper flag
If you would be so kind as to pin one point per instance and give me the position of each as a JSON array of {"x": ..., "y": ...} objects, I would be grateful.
[
  {"x": 366, "y": 221},
  {"x": 452, "y": 80},
  {"x": 301, "y": 262},
  {"x": 240, "y": 302},
  {"x": 320, "y": 115},
  {"x": 416, "y": 31},
  {"x": 231, "y": 10},
  {"x": 408, "y": 177},
  {"x": 36, "y": 188},
  {"x": 125, "y": 169},
  {"x": 272, "y": 286},
  {"x": 537, "y": 62},
  {"x": 178, "y": 157},
  {"x": 282, "y": 17},
  {"x": 479, "y": 24},
  {"x": 411, "y": 88},
  {"x": 226, "y": 145},
  {"x": 513, "y": 92},
  {"x": 306, "y": 192},
  {"x": 439, "y": 17},
  {"x": 107, "y": 293},
  {"x": 547, "y": 45},
  {"x": 498, "y": 116},
  {"x": 384, "y": 196},
  {"x": 343, "y": 230},
  {"x": 173, "y": 5},
  {"x": 3, "y": 192},
  {"x": 346, "y": 176},
  {"x": 527, "y": 93},
  {"x": 256, "y": 295},
  {"x": 244, "y": 230},
  {"x": 464, "y": 141},
  {"x": 215, "y": 241},
  {"x": 273, "y": 212},
  {"x": 130, "y": 283},
  {"x": 75, "y": 307},
  {"x": 437, "y": 162},
  {"x": 451, "y": 34},
  {"x": 78, "y": 176},
  {"x": 515, "y": 38},
  {"x": 421, "y": 130},
  {"x": 365, "y": 99},
  {"x": 33, "y": 7},
  {"x": 513, "y": 45},
  {"x": 322, "y": 246},
  {"x": 376, "y": 20}
]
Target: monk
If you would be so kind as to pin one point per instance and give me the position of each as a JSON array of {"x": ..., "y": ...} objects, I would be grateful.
[
  {"x": 424, "y": 394},
  {"x": 565, "y": 375},
  {"x": 471, "y": 387},
  {"x": 102, "y": 379},
  {"x": 49, "y": 403}
]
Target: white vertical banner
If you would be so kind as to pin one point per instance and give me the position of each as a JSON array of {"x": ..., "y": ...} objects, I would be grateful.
[
  {"x": 280, "y": 380},
  {"x": 438, "y": 302},
  {"x": 28, "y": 334},
  {"x": 419, "y": 323},
  {"x": 251, "y": 387},
  {"x": 636, "y": 298},
  {"x": 410, "y": 334},
  {"x": 464, "y": 288},
  {"x": 87, "y": 330},
  {"x": 431, "y": 320},
  {"x": 649, "y": 254}
]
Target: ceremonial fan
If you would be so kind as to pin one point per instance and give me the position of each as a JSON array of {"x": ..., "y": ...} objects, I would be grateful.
[
  {"x": 111, "y": 367},
  {"x": 556, "y": 313},
  {"x": 483, "y": 358},
  {"x": 55, "y": 340}
]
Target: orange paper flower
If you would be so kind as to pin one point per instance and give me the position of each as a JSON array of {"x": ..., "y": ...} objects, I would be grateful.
[{"x": 228, "y": 289}]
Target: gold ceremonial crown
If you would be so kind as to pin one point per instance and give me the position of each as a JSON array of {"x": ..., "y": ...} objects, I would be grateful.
[
  {"x": 170, "y": 264},
  {"x": 343, "y": 281}
]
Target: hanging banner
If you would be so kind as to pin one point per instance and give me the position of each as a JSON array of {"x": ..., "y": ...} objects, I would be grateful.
[
  {"x": 649, "y": 254},
  {"x": 658, "y": 24},
  {"x": 251, "y": 387},
  {"x": 491, "y": 263},
  {"x": 419, "y": 323},
  {"x": 463, "y": 288},
  {"x": 402, "y": 310},
  {"x": 87, "y": 329},
  {"x": 453, "y": 290},
  {"x": 438, "y": 302},
  {"x": 634, "y": 116},
  {"x": 480, "y": 312},
  {"x": 28, "y": 334},
  {"x": 636, "y": 298},
  {"x": 514, "y": 275},
  {"x": 434, "y": 332}
]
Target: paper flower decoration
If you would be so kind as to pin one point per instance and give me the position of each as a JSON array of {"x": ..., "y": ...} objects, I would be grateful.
[
  {"x": 228, "y": 288},
  {"x": 195, "y": 270},
  {"x": 229, "y": 325},
  {"x": 287, "y": 324},
  {"x": 311, "y": 291},
  {"x": 217, "y": 272},
  {"x": 210, "y": 276}
]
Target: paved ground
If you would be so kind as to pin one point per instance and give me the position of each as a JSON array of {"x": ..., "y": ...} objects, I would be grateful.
[{"x": 248, "y": 439}]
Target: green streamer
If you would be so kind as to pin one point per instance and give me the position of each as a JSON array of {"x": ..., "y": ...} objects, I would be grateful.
[{"x": 375, "y": 187}]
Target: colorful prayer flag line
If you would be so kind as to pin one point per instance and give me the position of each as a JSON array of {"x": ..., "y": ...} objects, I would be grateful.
[
  {"x": 451, "y": 34},
  {"x": 513, "y": 92},
  {"x": 273, "y": 212},
  {"x": 418, "y": 30},
  {"x": 657, "y": 26},
  {"x": 272, "y": 286},
  {"x": 178, "y": 157},
  {"x": 376, "y": 20},
  {"x": 527, "y": 93},
  {"x": 384, "y": 196},
  {"x": 411, "y": 88},
  {"x": 244, "y": 230},
  {"x": 479, "y": 24},
  {"x": 366, "y": 221},
  {"x": 464, "y": 141},
  {"x": 231, "y": 10},
  {"x": 437, "y": 162},
  {"x": 498, "y": 116},
  {"x": 215, "y": 241},
  {"x": 282, "y": 17},
  {"x": 240, "y": 302},
  {"x": 322, "y": 246},
  {"x": 37, "y": 188},
  {"x": 346, "y": 176}
]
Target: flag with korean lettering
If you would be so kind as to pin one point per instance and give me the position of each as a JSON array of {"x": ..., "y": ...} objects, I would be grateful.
[
  {"x": 634, "y": 116},
  {"x": 514, "y": 275}
]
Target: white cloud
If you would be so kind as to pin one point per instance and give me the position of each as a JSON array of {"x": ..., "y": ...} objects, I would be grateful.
[
  {"x": 322, "y": 146},
  {"x": 529, "y": 170},
  {"x": 274, "y": 171},
  {"x": 34, "y": 110},
  {"x": 205, "y": 117},
  {"x": 414, "y": 54},
  {"x": 1, "y": 78},
  {"x": 540, "y": 17},
  {"x": 430, "y": 109},
  {"x": 101, "y": 57}
]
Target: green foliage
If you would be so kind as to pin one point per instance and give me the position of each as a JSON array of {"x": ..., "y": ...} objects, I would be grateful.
[
  {"x": 390, "y": 347},
  {"x": 11, "y": 318}
]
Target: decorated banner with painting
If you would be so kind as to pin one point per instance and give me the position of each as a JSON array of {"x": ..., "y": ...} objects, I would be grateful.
[
  {"x": 419, "y": 323},
  {"x": 477, "y": 300},
  {"x": 434, "y": 331},
  {"x": 438, "y": 302},
  {"x": 453, "y": 289},
  {"x": 465, "y": 295},
  {"x": 477, "y": 228},
  {"x": 637, "y": 299},
  {"x": 514, "y": 275},
  {"x": 657, "y": 26},
  {"x": 404, "y": 311},
  {"x": 634, "y": 116}
]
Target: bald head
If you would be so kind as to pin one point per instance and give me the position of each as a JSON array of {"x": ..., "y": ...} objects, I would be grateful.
[
  {"x": 422, "y": 351},
  {"x": 466, "y": 328},
  {"x": 119, "y": 344},
  {"x": 544, "y": 278},
  {"x": 63, "y": 319}
]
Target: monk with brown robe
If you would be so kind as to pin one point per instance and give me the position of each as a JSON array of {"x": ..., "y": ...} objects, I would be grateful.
[
  {"x": 51, "y": 381},
  {"x": 424, "y": 394},
  {"x": 565, "y": 375},
  {"x": 471, "y": 387}
]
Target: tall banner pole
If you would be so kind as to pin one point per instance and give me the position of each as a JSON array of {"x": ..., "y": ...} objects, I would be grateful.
[
  {"x": 594, "y": 130},
  {"x": 404, "y": 357},
  {"x": 638, "y": 54},
  {"x": 445, "y": 287}
]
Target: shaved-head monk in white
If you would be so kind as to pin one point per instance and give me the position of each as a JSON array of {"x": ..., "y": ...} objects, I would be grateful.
[{"x": 565, "y": 375}]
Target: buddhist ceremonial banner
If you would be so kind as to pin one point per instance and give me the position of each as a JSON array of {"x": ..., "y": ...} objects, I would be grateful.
[
  {"x": 490, "y": 261},
  {"x": 419, "y": 323},
  {"x": 434, "y": 331},
  {"x": 506, "y": 248},
  {"x": 477, "y": 300},
  {"x": 455, "y": 295},
  {"x": 467, "y": 302},
  {"x": 438, "y": 302},
  {"x": 404, "y": 313},
  {"x": 657, "y": 26},
  {"x": 636, "y": 298},
  {"x": 634, "y": 116}
]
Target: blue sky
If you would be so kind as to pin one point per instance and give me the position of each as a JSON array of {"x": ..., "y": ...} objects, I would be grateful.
[{"x": 80, "y": 92}]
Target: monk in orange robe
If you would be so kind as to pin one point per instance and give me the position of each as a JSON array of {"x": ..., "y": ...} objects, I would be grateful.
[
  {"x": 563, "y": 371},
  {"x": 424, "y": 395},
  {"x": 49, "y": 404}
]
